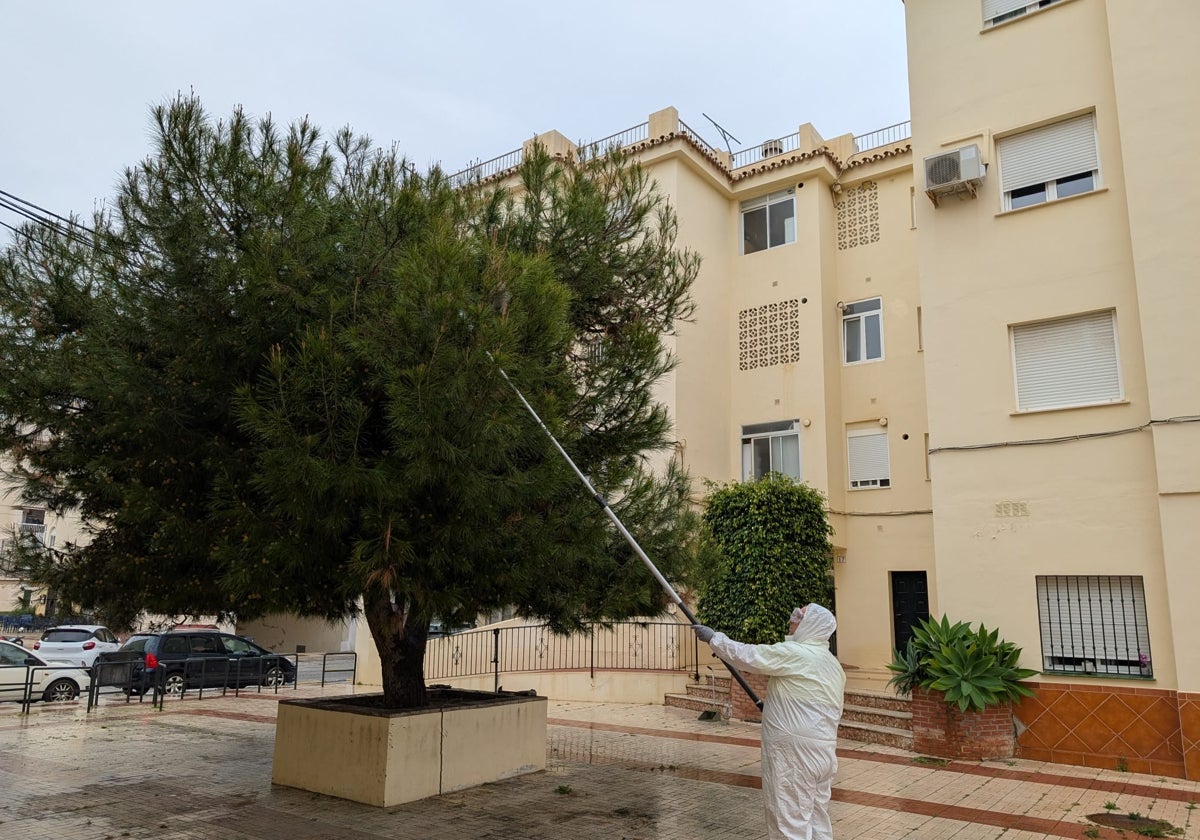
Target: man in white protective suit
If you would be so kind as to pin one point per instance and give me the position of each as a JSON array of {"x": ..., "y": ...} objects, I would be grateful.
[{"x": 799, "y": 720}]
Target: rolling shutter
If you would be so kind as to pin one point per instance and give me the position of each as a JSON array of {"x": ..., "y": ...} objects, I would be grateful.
[
  {"x": 868, "y": 458},
  {"x": 1048, "y": 153},
  {"x": 1068, "y": 362},
  {"x": 992, "y": 9}
]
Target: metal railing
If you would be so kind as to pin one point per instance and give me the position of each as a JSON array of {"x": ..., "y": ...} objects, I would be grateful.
[
  {"x": 488, "y": 168},
  {"x": 766, "y": 149},
  {"x": 598, "y": 148},
  {"x": 31, "y": 688},
  {"x": 883, "y": 136},
  {"x": 634, "y": 646},
  {"x": 693, "y": 135},
  {"x": 1094, "y": 624},
  {"x": 120, "y": 673}
]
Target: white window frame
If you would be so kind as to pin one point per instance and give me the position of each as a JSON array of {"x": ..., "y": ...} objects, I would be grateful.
[
  {"x": 1094, "y": 624},
  {"x": 1053, "y": 368},
  {"x": 864, "y": 319},
  {"x": 996, "y": 12},
  {"x": 773, "y": 200},
  {"x": 858, "y": 474},
  {"x": 774, "y": 434},
  {"x": 1049, "y": 163}
]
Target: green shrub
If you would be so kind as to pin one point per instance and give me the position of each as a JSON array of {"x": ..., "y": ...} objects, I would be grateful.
[
  {"x": 974, "y": 668},
  {"x": 770, "y": 550}
]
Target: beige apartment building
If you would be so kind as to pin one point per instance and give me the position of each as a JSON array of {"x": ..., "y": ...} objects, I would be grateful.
[{"x": 977, "y": 341}]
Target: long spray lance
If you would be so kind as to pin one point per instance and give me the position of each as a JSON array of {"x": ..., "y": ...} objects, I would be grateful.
[{"x": 633, "y": 543}]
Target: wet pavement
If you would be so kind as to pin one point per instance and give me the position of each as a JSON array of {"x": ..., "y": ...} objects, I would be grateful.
[{"x": 202, "y": 769}]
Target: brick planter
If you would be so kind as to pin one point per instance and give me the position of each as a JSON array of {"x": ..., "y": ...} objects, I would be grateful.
[
  {"x": 743, "y": 706},
  {"x": 941, "y": 730}
]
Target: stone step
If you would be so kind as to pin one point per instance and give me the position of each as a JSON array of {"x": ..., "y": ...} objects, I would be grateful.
[
  {"x": 695, "y": 703},
  {"x": 869, "y": 733},
  {"x": 878, "y": 700},
  {"x": 709, "y": 690},
  {"x": 880, "y": 717}
]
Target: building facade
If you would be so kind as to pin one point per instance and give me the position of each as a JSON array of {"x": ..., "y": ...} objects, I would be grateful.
[{"x": 976, "y": 341}]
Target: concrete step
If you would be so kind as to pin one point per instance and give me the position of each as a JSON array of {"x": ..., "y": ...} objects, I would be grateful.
[
  {"x": 869, "y": 733},
  {"x": 880, "y": 717}
]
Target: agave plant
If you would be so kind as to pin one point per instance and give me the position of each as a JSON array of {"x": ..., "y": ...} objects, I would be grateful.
[{"x": 973, "y": 668}]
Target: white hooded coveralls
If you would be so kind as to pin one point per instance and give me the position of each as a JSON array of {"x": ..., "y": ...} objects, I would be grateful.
[{"x": 799, "y": 723}]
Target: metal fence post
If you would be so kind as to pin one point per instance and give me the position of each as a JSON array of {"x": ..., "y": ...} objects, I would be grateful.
[
  {"x": 496, "y": 660},
  {"x": 592, "y": 658}
]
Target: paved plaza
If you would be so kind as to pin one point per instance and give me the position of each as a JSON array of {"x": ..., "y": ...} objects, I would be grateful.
[{"x": 201, "y": 769}]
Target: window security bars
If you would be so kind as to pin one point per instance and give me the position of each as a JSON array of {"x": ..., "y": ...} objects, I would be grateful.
[
  {"x": 637, "y": 646},
  {"x": 1094, "y": 624}
]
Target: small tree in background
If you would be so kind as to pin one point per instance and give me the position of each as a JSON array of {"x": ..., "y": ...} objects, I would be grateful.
[
  {"x": 771, "y": 542},
  {"x": 264, "y": 381}
]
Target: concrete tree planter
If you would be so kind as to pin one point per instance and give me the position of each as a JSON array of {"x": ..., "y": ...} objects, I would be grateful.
[
  {"x": 941, "y": 729},
  {"x": 351, "y": 748}
]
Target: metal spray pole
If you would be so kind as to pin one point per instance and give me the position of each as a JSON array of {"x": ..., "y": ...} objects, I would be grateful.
[{"x": 633, "y": 543}]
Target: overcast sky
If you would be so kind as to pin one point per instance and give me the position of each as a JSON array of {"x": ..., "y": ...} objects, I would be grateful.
[{"x": 447, "y": 82}]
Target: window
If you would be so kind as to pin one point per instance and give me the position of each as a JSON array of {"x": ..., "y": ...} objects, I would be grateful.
[
  {"x": 862, "y": 331},
  {"x": 33, "y": 520},
  {"x": 998, "y": 11},
  {"x": 768, "y": 222},
  {"x": 1049, "y": 163},
  {"x": 867, "y": 454},
  {"x": 1094, "y": 624},
  {"x": 1069, "y": 362},
  {"x": 770, "y": 447}
]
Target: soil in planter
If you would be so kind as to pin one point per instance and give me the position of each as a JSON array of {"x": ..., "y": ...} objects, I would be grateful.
[{"x": 1136, "y": 823}]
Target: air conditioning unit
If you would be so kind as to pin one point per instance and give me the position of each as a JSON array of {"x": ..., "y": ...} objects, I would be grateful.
[{"x": 956, "y": 171}]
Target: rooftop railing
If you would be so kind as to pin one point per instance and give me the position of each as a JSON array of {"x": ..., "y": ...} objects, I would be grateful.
[
  {"x": 687, "y": 131},
  {"x": 766, "y": 149},
  {"x": 883, "y": 136},
  {"x": 488, "y": 168},
  {"x": 628, "y": 137}
]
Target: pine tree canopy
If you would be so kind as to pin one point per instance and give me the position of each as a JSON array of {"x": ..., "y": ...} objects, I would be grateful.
[{"x": 266, "y": 377}]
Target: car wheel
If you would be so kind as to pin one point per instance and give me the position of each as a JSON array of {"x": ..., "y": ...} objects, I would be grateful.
[
  {"x": 173, "y": 685},
  {"x": 274, "y": 678},
  {"x": 60, "y": 691}
]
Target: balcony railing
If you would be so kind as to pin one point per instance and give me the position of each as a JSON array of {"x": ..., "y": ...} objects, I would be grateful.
[
  {"x": 883, "y": 136},
  {"x": 33, "y": 527}
]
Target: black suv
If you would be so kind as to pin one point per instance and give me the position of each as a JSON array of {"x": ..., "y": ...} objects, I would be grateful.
[{"x": 178, "y": 660}]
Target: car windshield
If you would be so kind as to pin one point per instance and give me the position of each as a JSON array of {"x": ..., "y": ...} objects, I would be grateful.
[
  {"x": 137, "y": 643},
  {"x": 62, "y": 635}
]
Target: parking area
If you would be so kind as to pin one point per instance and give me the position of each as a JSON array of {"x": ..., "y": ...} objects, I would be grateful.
[{"x": 201, "y": 769}]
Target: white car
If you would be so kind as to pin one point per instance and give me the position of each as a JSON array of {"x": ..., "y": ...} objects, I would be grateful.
[
  {"x": 78, "y": 644},
  {"x": 52, "y": 681}
]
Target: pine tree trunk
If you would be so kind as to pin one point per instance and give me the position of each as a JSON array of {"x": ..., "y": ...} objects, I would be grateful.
[{"x": 400, "y": 636}]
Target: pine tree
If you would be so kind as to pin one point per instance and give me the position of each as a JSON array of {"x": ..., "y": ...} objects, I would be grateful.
[{"x": 269, "y": 377}]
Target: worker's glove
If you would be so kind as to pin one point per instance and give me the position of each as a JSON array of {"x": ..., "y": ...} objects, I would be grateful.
[{"x": 703, "y": 633}]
